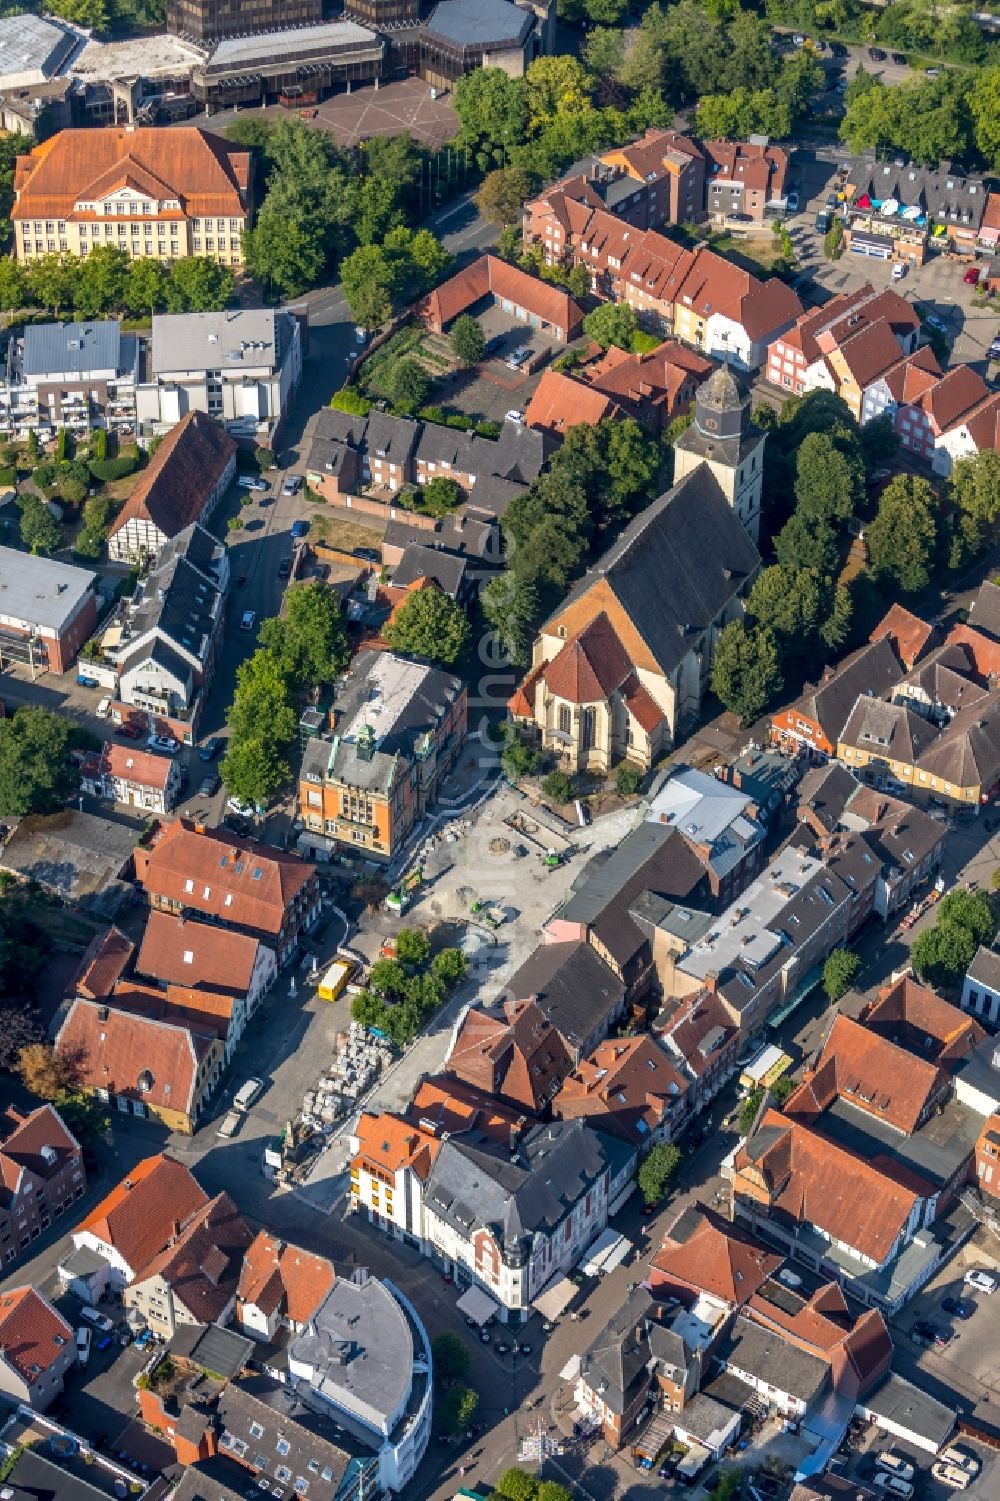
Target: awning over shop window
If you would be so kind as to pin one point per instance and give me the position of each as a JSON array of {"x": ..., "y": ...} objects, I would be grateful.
[
  {"x": 555, "y": 1297},
  {"x": 477, "y": 1305}
]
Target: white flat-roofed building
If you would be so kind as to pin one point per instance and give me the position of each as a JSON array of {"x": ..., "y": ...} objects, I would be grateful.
[
  {"x": 73, "y": 375},
  {"x": 364, "y": 1358},
  {"x": 47, "y": 609},
  {"x": 34, "y": 49},
  {"x": 241, "y": 366}
]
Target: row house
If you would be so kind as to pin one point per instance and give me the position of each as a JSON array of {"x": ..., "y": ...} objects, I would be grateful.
[
  {"x": 814, "y": 723},
  {"x": 204, "y": 958},
  {"x": 844, "y": 346},
  {"x": 651, "y": 388},
  {"x": 41, "y": 1175},
  {"x": 981, "y": 986},
  {"x": 398, "y": 729},
  {"x": 658, "y": 179},
  {"x": 134, "y": 1223},
  {"x": 895, "y": 210},
  {"x": 186, "y": 870},
  {"x": 488, "y": 1213},
  {"x": 512, "y": 1052},
  {"x": 636, "y": 1361},
  {"x": 743, "y": 179},
  {"x": 702, "y": 1034},
  {"x": 135, "y": 778},
  {"x": 182, "y": 484},
  {"x": 37, "y": 1349},
  {"x": 890, "y": 745},
  {"x": 924, "y": 423},
  {"x": 627, "y": 1087}
]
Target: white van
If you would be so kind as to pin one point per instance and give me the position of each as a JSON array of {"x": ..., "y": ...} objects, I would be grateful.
[
  {"x": 961, "y": 1458},
  {"x": 895, "y": 1464},
  {"x": 230, "y": 1125},
  {"x": 103, "y": 708},
  {"x": 247, "y": 1093},
  {"x": 951, "y": 1475}
]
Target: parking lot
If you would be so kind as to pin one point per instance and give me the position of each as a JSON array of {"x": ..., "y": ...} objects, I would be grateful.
[
  {"x": 493, "y": 388},
  {"x": 937, "y": 287}
]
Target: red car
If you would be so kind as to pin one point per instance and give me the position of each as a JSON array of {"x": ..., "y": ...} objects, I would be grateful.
[
  {"x": 971, "y": 277},
  {"x": 129, "y": 730}
]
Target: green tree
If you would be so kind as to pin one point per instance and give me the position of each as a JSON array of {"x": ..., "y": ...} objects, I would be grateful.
[
  {"x": 510, "y": 606},
  {"x": 199, "y": 285},
  {"x": 974, "y": 491},
  {"x": 287, "y": 257},
  {"x": 369, "y": 1010},
  {"x": 628, "y": 781},
  {"x": 262, "y": 701},
  {"x": 36, "y": 774},
  {"x": 902, "y": 541},
  {"x": 440, "y": 496},
  {"x": 828, "y": 484},
  {"x": 558, "y": 786},
  {"x": 253, "y": 768},
  {"x": 942, "y": 954},
  {"x": 52, "y": 282},
  {"x": 835, "y": 628},
  {"x": 40, "y": 530},
  {"x": 984, "y": 107},
  {"x": 14, "y": 284},
  {"x": 309, "y": 640},
  {"x": 493, "y": 110},
  {"x": 517, "y": 1485},
  {"x": 409, "y": 385},
  {"x": 101, "y": 281},
  {"x": 456, "y": 1409},
  {"x": 611, "y": 323},
  {"x": 429, "y": 624},
  {"x": 388, "y": 978},
  {"x": 450, "y": 966},
  {"x": 786, "y": 601},
  {"x": 451, "y": 1357},
  {"x": 839, "y": 973},
  {"x": 503, "y": 195},
  {"x": 412, "y": 946},
  {"x": 808, "y": 544},
  {"x": 146, "y": 285},
  {"x": 657, "y": 1172},
  {"x": 518, "y": 758},
  {"x": 746, "y": 676},
  {"x": 467, "y": 341}
]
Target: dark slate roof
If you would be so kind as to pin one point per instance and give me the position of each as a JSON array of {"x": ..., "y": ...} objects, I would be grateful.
[
  {"x": 873, "y": 669},
  {"x": 282, "y": 1415},
  {"x": 214, "y": 1349},
  {"x": 214, "y": 1479},
  {"x": 181, "y": 596},
  {"x": 912, "y": 1409},
  {"x": 520, "y": 453},
  {"x": 617, "y": 1361},
  {"x": 826, "y": 791},
  {"x": 985, "y": 611},
  {"x": 479, "y": 23},
  {"x": 493, "y": 494},
  {"x": 467, "y": 536},
  {"x": 444, "y": 568},
  {"x": 391, "y": 438},
  {"x": 36, "y": 1476},
  {"x": 985, "y": 968},
  {"x": 763, "y": 1353},
  {"x": 76, "y": 347},
  {"x": 163, "y": 655},
  {"x": 654, "y": 858},
  {"x": 476, "y": 1186},
  {"x": 574, "y": 988},
  {"x": 676, "y": 566}
]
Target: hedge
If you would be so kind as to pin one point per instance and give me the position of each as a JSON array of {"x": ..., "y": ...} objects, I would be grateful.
[
  {"x": 109, "y": 469},
  {"x": 8, "y": 477},
  {"x": 351, "y": 401}
]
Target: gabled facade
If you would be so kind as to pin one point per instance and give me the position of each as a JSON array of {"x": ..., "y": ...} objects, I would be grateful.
[
  {"x": 188, "y": 474},
  {"x": 36, "y": 1348},
  {"x": 41, "y": 1176},
  {"x": 136, "y": 1220},
  {"x": 194, "y": 1279}
]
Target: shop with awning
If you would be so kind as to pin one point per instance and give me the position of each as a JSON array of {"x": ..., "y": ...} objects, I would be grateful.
[
  {"x": 478, "y": 1306},
  {"x": 555, "y": 1297}
]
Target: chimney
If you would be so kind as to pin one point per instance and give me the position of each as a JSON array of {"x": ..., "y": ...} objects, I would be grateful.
[
  {"x": 711, "y": 981},
  {"x": 175, "y": 1228}
]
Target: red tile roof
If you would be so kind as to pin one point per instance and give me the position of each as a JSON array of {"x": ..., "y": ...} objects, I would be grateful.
[
  {"x": 810, "y": 1180},
  {"x": 627, "y": 1086},
  {"x": 202, "y": 1264},
  {"x": 717, "y": 1258},
  {"x": 908, "y": 633},
  {"x": 199, "y": 169},
  {"x": 387, "y": 1144},
  {"x": 137, "y": 1217},
  {"x": 914, "y": 375},
  {"x": 180, "y": 478},
  {"x": 139, "y": 766},
  {"x": 276, "y": 1276},
  {"x": 923, "y": 1022},
  {"x": 196, "y": 955},
  {"x": 117, "y": 1050},
  {"x": 984, "y": 424},
  {"x": 872, "y": 1074},
  {"x": 490, "y": 274},
  {"x": 590, "y": 666},
  {"x": 33, "y": 1336},
  {"x": 103, "y": 964},
  {"x": 225, "y": 877},
  {"x": 452, "y": 1105},
  {"x": 560, "y": 402},
  {"x": 22, "y": 1138},
  {"x": 954, "y": 395},
  {"x": 519, "y": 1056}
]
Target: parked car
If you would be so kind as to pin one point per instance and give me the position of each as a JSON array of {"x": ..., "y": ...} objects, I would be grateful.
[
  {"x": 284, "y": 569},
  {"x": 898, "y": 59},
  {"x": 84, "y": 680},
  {"x": 366, "y": 554},
  {"x": 838, "y": 49},
  {"x": 899, "y": 271},
  {"x": 895, "y": 1464},
  {"x": 103, "y": 708},
  {"x": 144, "y": 1339},
  {"x": 798, "y": 40},
  {"x": 129, "y": 730},
  {"x": 97, "y": 1320},
  {"x": 292, "y": 485},
  {"x": 163, "y": 743},
  {"x": 933, "y": 72},
  {"x": 960, "y": 1458},
  {"x": 951, "y": 1475},
  {"x": 792, "y": 202},
  {"x": 514, "y": 415},
  {"x": 520, "y": 355},
  {"x": 251, "y": 482},
  {"x": 931, "y": 1333},
  {"x": 299, "y": 529},
  {"x": 891, "y": 1485},
  {"x": 933, "y": 321},
  {"x": 876, "y": 54},
  {"x": 983, "y": 1281},
  {"x": 210, "y": 749},
  {"x": 248, "y": 620},
  {"x": 245, "y": 810},
  {"x": 485, "y": 1336},
  {"x": 82, "y": 1346},
  {"x": 993, "y": 352},
  {"x": 960, "y": 1307},
  {"x": 209, "y": 785},
  {"x": 971, "y": 277}
]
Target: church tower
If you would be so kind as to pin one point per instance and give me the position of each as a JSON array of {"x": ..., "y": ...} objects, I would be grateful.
[{"x": 723, "y": 437}]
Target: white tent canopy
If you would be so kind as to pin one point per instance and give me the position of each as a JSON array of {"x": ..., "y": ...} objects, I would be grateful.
[
  {"x": 555, "y": 1296},
  {"x": 477, "y": 1305}
]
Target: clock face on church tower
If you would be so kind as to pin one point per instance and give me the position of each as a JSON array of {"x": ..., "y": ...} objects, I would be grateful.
[{"x": 711, "y": 424}]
